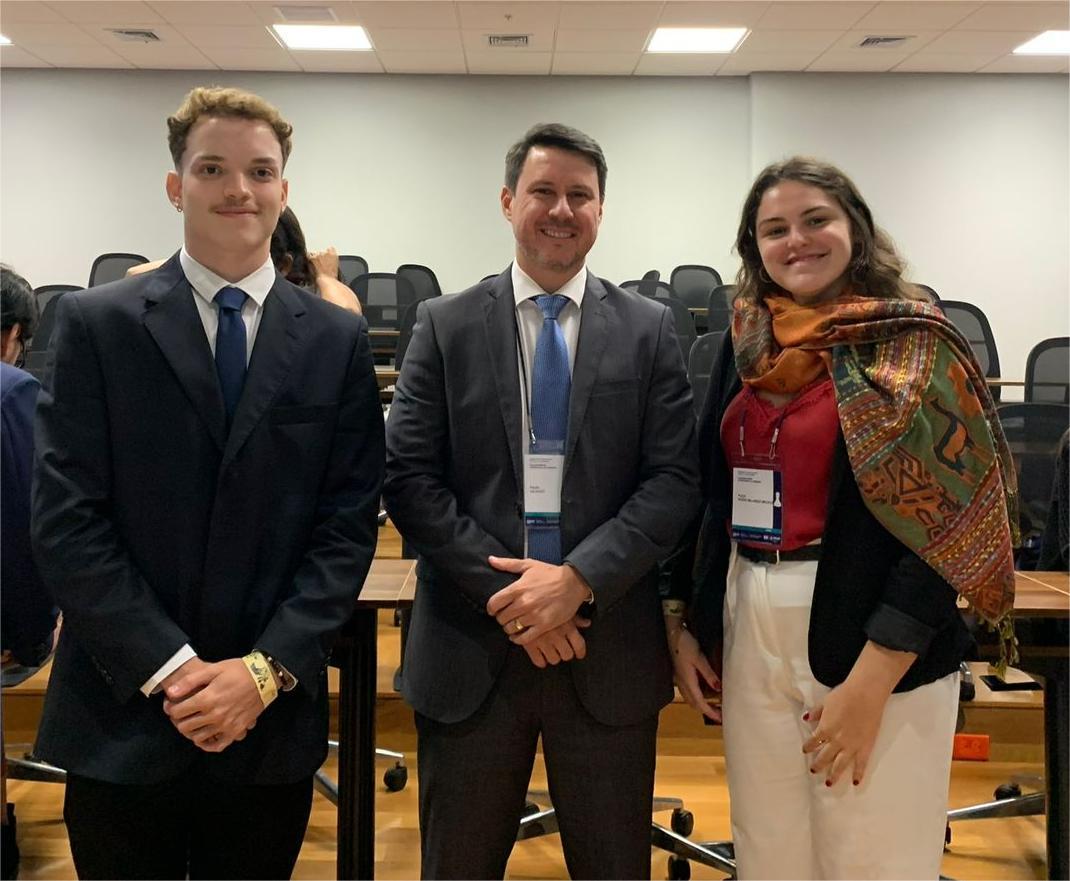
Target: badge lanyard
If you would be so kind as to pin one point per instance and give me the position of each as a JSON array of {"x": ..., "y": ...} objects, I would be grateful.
[
  {"x": 544, "y": 465},
  {"x": 757, "y": 491}
]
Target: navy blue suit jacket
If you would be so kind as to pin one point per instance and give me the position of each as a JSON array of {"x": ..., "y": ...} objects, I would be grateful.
[
  {"x": 156, "y": 527},
  {"x": 27, "y": 617}
]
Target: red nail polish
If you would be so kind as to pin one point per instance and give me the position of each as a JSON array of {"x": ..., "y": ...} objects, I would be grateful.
[
  {"x": 813, "y": 770},
  {"x": 806, "y": 717},
  {"x": 856, "y": 782},
  {"x": 828, "y": 782}
]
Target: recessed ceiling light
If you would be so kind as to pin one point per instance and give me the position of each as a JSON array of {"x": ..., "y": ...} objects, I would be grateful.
[
  {"x": 696, "y": 39},
  {"x": 4, "y": 41},
  {"x": 1047, "y": 43},
  {"x": 323, "y": 36}
]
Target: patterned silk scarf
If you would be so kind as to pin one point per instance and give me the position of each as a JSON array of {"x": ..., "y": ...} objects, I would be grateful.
[{"x": 922, "y": 433}]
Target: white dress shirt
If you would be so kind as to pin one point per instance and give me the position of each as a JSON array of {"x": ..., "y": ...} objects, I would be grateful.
[{"x": 206, "y": 284}]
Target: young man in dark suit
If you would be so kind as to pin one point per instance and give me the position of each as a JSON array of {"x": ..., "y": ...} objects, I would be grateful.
[
  {"x": 541, "y": 459},
  {"x": 209, "y": 466}
]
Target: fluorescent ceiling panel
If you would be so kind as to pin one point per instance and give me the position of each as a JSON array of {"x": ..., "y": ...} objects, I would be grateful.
[
  {"x": 1047, "y": 43},
  {"x": 696, "y": 39},
  {"x": 327, "y": 37}
]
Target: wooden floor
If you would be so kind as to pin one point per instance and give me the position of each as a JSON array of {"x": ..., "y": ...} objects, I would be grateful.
[{"x": 689, "y": 767}]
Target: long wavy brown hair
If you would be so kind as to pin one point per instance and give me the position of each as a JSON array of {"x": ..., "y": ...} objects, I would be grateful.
[{"x": 876, "y": 269}]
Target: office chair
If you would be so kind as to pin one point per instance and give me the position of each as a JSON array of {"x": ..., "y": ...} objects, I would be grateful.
[
  {"x": 1047, "y": 371},
  {"x": 973, "y": 323},
  {"x": 933, "y": 296},
  {"x": 700, "y": 363},
  {"x": 1033, "y": 432},
  {"x": 683, "y": 322},
  {"x": 650, "y": 287},
  {"x": 422, "y": 279},
  {"x": 719, "y": 307},
  {"x": 350, "y": 266},
  {"x": 693, "y": 283},
  {"x": 112, "y": 267},
  {"x": 47, "y": 297},
  {"x": 408, "y": 322},
  {"x": 27, "y": 766}
]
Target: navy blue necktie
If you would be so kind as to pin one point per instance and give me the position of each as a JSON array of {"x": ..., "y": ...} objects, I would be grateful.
[
  {"x": 230, "y": 347},
  {"x": 551, "y": 385}
]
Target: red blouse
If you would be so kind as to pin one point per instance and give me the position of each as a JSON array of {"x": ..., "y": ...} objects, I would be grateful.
[{"x": 808, "y": 429}]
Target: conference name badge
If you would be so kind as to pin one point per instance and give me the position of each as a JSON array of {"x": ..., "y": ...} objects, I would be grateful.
[
  {"x": 757, "y": 505},
  {"x": 544, "y": 468}
]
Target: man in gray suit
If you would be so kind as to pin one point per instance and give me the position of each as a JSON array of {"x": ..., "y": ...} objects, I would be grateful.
[{"x": 541, "y": 458}]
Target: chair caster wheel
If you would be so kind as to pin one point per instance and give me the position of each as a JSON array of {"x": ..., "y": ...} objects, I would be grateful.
[
  {"x": 1007, "y": 790},
  {"x": 947, "y": 835},
  {"x": 395, "y": 778},
  {"x": 683, "y": 822},
  {"x": 679, "y": 869},
  {"x": 531, "y": 808}
]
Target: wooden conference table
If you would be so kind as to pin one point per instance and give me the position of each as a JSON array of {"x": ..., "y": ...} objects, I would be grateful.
[
  {"x": 390, "y": 584},
  {"x": 1042, "y": 609}
]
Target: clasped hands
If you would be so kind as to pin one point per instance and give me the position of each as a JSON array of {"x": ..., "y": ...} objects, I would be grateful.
[
  {"x": 538, "y": 611},
  {"x": 212, "y": 705}
]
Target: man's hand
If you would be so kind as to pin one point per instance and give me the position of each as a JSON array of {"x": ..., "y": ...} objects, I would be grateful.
[
  {"x": 564, "y": 643},
  {"x": 213, "y": 705},
  {"x": 543, "y": 598}
]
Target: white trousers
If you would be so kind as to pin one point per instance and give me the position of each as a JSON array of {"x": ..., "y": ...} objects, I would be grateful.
[{"x": 786, "y": 823}]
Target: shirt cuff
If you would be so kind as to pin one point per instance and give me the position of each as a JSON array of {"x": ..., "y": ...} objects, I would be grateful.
[
  {"x": 896, "y": 630},
  {"x": 177, "y": 660}
]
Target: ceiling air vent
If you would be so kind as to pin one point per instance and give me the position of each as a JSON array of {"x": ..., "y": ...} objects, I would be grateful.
[
  {"x": 135, "y": 35},
  {"x": 882, "y": 42},
  {"x": 307, "y": 14},
  {"x": 508, "y": 41}
]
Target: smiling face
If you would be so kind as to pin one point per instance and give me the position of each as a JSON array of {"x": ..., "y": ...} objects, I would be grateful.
[
  {"x": 231, "y": 192},
  {"x": 804, "y": 239},
  {"x": 555, "y": 212}
]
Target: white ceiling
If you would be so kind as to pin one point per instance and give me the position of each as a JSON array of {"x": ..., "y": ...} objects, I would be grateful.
[{"x": 570, "y": 37}]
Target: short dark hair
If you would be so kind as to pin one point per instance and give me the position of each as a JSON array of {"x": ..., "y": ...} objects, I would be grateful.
[
  {"x": 17, "y": 303},
  {"x": 563, "y": 137}
]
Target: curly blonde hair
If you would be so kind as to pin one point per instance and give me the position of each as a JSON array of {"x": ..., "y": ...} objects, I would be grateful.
[
  {"x": 876, "y": 269},
  {"x": 215, "y": 101}
]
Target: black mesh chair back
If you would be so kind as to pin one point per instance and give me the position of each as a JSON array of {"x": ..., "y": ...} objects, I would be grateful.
[
  {"x": 383, "y": 297},
  {"x": 693, "y": 283},
  {"x": 408, "y": 322},
  {"x": 112, "y": 267},
  {"x": 700, "y": 364},
  {"x": 1033, "y": 433},
  {"x": 683, "y": 322},
  {"x": 47, "y": 297},
  {"x": 422, "y": 279},
  {"x": 719, "y": 307},
  {"x": 1047, "y": 371},
  {"x": 650, "y": 287},
  {"x": 350, "y": 266},
  {"x": 973, "y": 323}
]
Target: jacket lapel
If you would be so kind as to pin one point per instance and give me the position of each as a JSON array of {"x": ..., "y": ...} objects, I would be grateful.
[
  {"x": 500, "y": 323},
  {"x": 172, "y": 319},
  {"x": 277, "y": 340},
  {"x": 594, "y": 332}
]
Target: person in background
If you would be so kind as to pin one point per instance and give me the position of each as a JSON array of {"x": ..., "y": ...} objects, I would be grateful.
[
  {"x": 541, "y": 460},
  {"x": 317, "y": 272},
  {"x": 209, "y": 465},
  {"x": 857, "y": 485},
  {"x": 28, "y": 619}
]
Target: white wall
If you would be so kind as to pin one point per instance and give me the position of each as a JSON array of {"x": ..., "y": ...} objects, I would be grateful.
[
  {"x": 396, "y": 169},
  {"x": 968, "y": 173}
]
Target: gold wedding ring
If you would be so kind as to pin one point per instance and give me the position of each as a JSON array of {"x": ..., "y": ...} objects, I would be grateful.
[{"x": 517, "y": 626}]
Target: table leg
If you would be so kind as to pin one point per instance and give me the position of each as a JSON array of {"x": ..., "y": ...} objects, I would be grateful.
[{"x": 356, "y": 658}]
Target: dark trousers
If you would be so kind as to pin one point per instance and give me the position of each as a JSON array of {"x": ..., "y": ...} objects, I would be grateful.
[
  {"x": 193, "y": 826},
  {"x": 474, "y": 777}
]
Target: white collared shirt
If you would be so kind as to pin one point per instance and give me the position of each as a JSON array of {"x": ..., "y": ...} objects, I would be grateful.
[{"x": 206, "y": 284}]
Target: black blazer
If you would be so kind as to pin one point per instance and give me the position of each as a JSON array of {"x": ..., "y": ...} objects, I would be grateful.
[
  {"x": 155, "y": 527},
  {"x": 453, "y": 487},
  {"x": 869, "y": 585}
]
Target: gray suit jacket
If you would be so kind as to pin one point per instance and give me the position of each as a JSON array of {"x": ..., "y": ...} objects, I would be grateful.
[{"x": 454, "y": 479}]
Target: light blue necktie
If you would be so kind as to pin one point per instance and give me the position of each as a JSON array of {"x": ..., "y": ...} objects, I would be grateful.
[
  {"x": 230, "y": 347},
  {"x": 550, "y": 388}
]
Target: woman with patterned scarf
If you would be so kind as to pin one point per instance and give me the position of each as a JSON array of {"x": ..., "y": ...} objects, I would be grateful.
[{"x": 858, "y": 488}]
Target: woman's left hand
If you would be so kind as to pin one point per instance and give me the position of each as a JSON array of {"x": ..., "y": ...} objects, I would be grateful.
[
  {"x": 846, "y": 724},
  {"x": 324, "y": 262}
]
